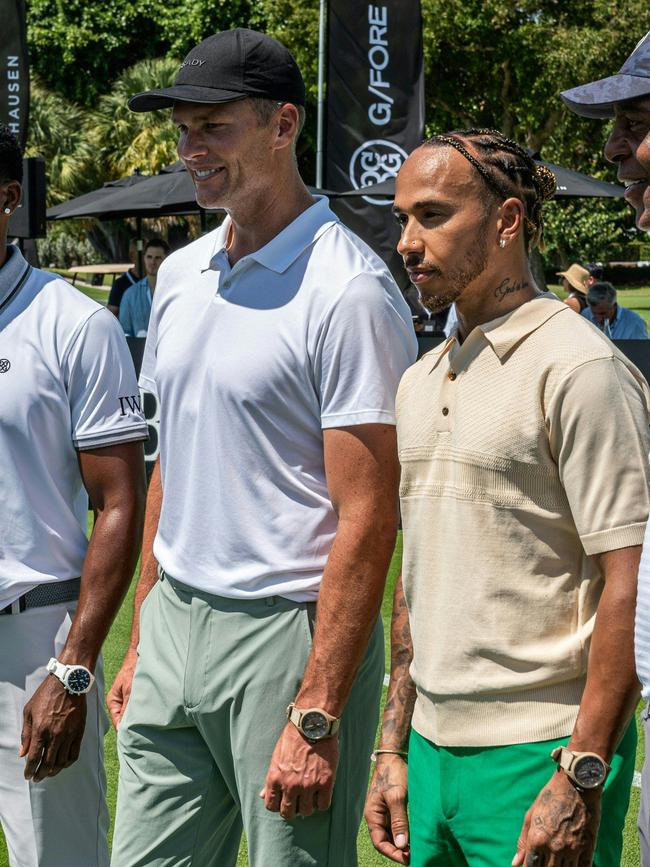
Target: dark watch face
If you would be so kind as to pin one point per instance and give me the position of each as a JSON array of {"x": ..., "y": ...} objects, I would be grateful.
[
  {"x": 589, "y": 772},
  {"x": 314, "y": 725},
  {"x": 78, "y": 680}
]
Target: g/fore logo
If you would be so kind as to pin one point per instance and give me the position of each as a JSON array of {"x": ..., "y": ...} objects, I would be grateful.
[
  {"x": 192, "y": 63},
  {"x": 5, "y": 365},
  {"x": 380, "y": 112},
  {"x": 373, "y": 162}
]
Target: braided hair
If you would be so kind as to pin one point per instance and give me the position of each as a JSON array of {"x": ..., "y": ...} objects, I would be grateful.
[
  {"x": 11, "y": 159},
  {"x": 508, "y": 171}
]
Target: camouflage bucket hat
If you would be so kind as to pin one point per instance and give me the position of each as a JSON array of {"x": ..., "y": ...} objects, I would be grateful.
[{"x": 597, "y": 98}]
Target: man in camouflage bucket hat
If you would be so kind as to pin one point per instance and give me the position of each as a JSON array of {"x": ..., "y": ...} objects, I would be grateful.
[{"x": 626, "y": 97}]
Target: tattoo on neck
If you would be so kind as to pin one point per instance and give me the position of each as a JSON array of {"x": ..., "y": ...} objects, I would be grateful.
[{"x": 508, "y": 286}]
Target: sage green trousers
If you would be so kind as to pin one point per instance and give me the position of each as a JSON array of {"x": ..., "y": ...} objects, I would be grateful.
[{"x": 212, "y": 683}]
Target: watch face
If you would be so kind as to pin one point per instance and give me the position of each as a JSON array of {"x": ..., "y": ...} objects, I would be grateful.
[
  {"x": 78, "y": 680},
  {"x": 589, "y": 771},
  {"x": 314, "y": 725}
]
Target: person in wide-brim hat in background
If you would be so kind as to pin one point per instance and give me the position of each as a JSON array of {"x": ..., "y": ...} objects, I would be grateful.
[{"x": 575, "y": 282}]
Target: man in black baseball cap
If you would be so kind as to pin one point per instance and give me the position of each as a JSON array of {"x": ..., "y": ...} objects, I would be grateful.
[
  {"x": 275, "y": 346},
  {"x": 230, "y": 65},
  {"x": 624, "y": 96}
]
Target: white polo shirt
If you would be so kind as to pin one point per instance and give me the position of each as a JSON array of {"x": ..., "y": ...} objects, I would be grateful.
[
  {"x": 250, "y": 363},
  {"x": 66, "y": 382}
]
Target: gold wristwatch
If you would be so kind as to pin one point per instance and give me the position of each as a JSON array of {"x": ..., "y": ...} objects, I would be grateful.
[{"x": 313, "y": 722}]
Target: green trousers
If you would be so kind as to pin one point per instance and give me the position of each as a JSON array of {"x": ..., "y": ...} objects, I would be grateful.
[
  {"x": 212, "y": 683},
  {"x": 467, "y": 805}
]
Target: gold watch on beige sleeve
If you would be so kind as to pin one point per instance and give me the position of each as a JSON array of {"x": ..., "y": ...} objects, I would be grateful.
[
  {"x": 313, "y": 722},
  {"x": 585, "y": 770}
]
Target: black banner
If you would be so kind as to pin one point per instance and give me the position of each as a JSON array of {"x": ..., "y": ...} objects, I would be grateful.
[
  {"x": 375, "y": 109},
  {"x": 14, "y": 68}
]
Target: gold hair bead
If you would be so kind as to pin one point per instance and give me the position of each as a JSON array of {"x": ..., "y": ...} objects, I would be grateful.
[{"x": 547, "y": 182}]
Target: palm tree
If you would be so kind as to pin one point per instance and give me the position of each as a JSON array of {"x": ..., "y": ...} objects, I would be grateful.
[
  {"x": 124, "y": 141},
  {"x": 84, "y": 149},
  {"x": 57, "y": 132}
]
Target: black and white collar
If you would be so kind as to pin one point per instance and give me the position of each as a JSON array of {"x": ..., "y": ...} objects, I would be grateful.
[{"x": 13, "y": 276}]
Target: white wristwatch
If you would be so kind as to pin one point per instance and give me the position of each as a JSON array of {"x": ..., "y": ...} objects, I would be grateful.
[{"x": 76, "y": 679}]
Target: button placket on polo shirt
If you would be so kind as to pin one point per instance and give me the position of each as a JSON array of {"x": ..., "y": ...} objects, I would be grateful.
[
  {"x": 444, "y": 412},
  {"x": 234, "y": 273},
  {"x": 222, "y": 273}
]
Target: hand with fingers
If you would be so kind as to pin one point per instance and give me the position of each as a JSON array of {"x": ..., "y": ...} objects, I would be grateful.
[
  {"x": 53, "y": 727},
  {"x": 119, "y": 694},
  {"x": 385, "y": 811},
  {"x": 301, "y": 775},
  {"x": 561, "y": 827}
]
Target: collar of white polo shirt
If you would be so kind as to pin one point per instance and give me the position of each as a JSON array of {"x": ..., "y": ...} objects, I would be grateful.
[
  {"x": 282, "y": 250},
  {"x": 12, "y": 272}
]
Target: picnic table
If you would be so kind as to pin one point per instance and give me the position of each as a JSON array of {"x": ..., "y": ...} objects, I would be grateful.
[{"x": 112, "y": 268}]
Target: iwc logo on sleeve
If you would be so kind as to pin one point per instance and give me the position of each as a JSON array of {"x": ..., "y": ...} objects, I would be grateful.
[
  {"x": 5, "y": 365},
  {"x": 130, "y": 403},
  {"x": 373, "y": 162}
]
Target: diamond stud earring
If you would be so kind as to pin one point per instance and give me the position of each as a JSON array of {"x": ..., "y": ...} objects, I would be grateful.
[
  {"x": 7, "y": 211},
  {"x": 502, "y": 243}
]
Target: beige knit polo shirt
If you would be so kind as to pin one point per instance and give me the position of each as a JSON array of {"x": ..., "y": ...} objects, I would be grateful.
[{"x": 524, "y": 450}]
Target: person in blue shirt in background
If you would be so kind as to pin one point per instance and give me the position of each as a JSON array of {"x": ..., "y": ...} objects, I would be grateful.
[
  {"x": 135, "y": 307},
  {"x": 617, "y": 322}
]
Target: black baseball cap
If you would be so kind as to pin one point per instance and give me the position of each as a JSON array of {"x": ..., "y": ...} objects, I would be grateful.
[
  {"x": 596, "y": 99},
  {"x": 230, "y": 65}
]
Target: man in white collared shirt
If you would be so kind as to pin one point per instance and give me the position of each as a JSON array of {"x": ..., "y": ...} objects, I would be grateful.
[{"x": 275, "y": 347}]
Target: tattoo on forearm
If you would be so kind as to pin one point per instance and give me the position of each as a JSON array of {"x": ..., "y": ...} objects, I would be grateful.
[
  {"x": 401, "y": 691},
  {"x": 508, "y": 286}
]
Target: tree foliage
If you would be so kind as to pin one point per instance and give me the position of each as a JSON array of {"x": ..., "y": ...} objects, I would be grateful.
[
  {"x": 81, "y": 46},
  {"x": 57, "y": 130},
  {"x": 124, "y": 141},
  {"x": 83, "y": 148},
  {"x": 496, "y": 63},
  {"x": 582, "y": 230}
]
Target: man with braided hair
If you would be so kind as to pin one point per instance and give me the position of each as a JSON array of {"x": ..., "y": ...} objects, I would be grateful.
[{"x": 523, "y": 510}]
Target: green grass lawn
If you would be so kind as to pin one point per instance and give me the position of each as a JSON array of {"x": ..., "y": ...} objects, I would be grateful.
[
  {"x": 98, "y": 293},
  {"x": 637, "y": 300},
  {"x": 117, "y": 641}
]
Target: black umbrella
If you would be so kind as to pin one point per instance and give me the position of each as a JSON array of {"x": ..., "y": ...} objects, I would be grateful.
[
  {"x": 570, "y": 184},
  {"x": 171, "y": 192},
  {"x": 167, "y": 193},
  {"x": 93, "y": 199}
]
